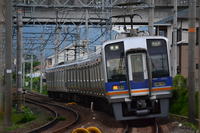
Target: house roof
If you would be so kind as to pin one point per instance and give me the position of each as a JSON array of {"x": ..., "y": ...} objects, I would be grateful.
[{"x": 183, "y": 14}]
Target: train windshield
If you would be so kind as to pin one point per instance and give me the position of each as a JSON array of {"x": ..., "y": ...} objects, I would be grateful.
[
  {"x": 157, "y": 49},
  {"x": 115, "y": 62},
  {"x": 137, "y": 67}
]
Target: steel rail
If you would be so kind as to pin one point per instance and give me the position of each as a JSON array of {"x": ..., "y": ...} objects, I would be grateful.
[
  {"x": 46, "y": 125},
  {"x": 74, "y": 112}
]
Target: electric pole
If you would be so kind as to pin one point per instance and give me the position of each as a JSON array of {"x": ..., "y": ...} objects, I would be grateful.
[
  {"x": 87, "y": 29},
  {"x": 191, "y": 61},
  {"x": 31, "y": 84},
  {"x": 41, "y": 69},
  {"x": 57, "y": 43},
  {"x": 174, "y": 42},
  {"x": 199, "y": 59},
  {"x": 8, "y": 63},
  {"x": 1, "y": 68},
  {"x": 19, "y": 59},
  {"x": 23, "y": 72},
  {"x": 151, "y": 17}
]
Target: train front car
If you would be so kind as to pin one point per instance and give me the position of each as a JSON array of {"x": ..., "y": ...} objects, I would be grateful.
[{"x": 138, "y": 79}]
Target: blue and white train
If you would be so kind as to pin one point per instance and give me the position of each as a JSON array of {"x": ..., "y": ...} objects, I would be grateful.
[{"x": 132, "y": 75}]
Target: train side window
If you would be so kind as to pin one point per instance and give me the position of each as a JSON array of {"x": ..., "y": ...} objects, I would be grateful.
[
  {"x": 73, "y": 77},
  {"x": 81, "y": 76},
  {"x": 51, "y": 79},
  {"x": 84, "y": 77},
  {"x": 69, "y": 75},
  {"x": 56, "y": 78},
  {"x": 74, "y": 73},
  {"x": 95, "y": 75},
  {"x": 90, "y": 77},
  {"x": 87, "y": 77},
  {"x": 78, "y": 77},
  {"x": 67, "y": 78},
  {"x": 63, "y": 76},
  {"x": 74, "y": 70},
  {"x": 55, "y": 73},
  {"x": 90, "y": 69},
  {"x": 59, "y": 78},
  {"x": 99, "y": 75}
]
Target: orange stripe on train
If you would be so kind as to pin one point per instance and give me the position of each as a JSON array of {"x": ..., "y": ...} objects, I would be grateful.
[{"x": 139, "y": 91}]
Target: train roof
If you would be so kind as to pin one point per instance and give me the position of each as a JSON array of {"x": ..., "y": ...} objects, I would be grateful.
[
  {"x": 139, "y": 38},
  {"x": 90, "y": 58}
]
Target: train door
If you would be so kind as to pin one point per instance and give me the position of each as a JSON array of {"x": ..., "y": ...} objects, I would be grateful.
[{"x": 138, "y": 74}]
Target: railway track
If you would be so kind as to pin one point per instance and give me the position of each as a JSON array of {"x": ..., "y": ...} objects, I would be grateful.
[
  {"x": 59, "y": 110},
  {"x": 46, "y": 125},
  {"x": 153, "y": 127},
  {"x": 181, "y": 118}
]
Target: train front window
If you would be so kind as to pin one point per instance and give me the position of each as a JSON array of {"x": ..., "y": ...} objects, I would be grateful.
[
  {"x": 157, "y": 49},
  {"x": 137, "y": 67},
  {"x": 115, "y": 63}
]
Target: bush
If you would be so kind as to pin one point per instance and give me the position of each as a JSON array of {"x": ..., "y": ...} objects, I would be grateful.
[
  {"x": 26, "y": 116},
  {"x": 179, "y": 82},
  {"x": 179, "y": 101}
]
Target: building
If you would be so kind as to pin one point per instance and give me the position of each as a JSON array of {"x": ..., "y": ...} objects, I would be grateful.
[
  {"x": 70, "y": 53},
  {"x": 165, "y": 28}
]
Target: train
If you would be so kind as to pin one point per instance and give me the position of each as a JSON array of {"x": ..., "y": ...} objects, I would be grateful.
[{"x": 132, "y": 76}]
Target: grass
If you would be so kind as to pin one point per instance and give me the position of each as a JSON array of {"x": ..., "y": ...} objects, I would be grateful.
[
  {"x": 179, "y": 103},
  {"x": 61, "y": 118},
  {"x": 1, "y": 120},
  {"x": 20, "y": 118},
  {"x": 192, "y": 126}
]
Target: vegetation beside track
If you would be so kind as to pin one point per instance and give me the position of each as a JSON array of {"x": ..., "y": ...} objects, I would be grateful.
[
  {"x": 179, "y": 102},
  {"x": 1, "y": 120},
  {"x": 20, "y": 118}
]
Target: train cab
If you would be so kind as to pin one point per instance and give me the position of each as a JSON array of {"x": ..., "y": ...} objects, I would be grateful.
[{"x": 138, "y": 79}]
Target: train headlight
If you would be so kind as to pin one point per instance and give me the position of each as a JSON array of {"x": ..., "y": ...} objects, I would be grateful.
[
  {"x": 159, "y": 84},
  {"x": 114, "y": 47},
  {"x": 118, "y": 87},
  {"x": 115, "y": 87}
]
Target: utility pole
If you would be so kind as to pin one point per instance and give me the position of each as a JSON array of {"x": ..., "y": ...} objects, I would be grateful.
[
  {"x": 57, "y": 43},
  {"x": 191, "y": 61},
  {"x": 199, "y": 59},
  {"x": 19, "y": 59},
  {"x": 1, "y": 68},
  {"x": 31, "y": 84},
  {"x": 8, "y": 64},
  {"x": 87, "y": 29},
  {"x": 23, "y": 72},
  {"x": 41, "y": 69},
  {"x": 174, "y": 46},
  {"x": 151, "y": 17}
]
